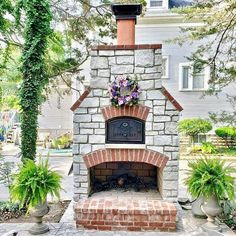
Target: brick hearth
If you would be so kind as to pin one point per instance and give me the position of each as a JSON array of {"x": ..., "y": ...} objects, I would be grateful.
[{"x": 134, "y": 214}]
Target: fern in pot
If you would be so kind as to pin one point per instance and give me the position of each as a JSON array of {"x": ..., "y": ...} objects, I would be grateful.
[
  {"x": 212, "y": 179},
  {"x": 30, "y": 188}
]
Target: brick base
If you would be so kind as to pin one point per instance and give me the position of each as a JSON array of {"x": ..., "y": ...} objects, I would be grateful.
[{"x": 128, "y": 215}]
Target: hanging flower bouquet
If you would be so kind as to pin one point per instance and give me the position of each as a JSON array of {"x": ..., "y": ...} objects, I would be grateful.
[{"x": 124, "y": 91}]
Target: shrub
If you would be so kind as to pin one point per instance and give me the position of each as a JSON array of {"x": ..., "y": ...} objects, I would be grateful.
[
  {"x": 207, "y": 176},
  {"x": 208, "y": 148},
  {"x": 34, "y": 182},
  {"x": 194, "y": 126},
  {"x": 226, "y": 133}
]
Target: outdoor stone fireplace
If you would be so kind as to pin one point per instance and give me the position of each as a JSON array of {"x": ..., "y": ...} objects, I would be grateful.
[{"x": 133, "y": 148}]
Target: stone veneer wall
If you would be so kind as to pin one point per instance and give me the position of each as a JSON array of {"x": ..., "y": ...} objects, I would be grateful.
[{"x": 161, "y": 123}]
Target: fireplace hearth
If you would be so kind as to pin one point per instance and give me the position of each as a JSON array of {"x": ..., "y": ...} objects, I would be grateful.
[{"x": 123, "y": 176}]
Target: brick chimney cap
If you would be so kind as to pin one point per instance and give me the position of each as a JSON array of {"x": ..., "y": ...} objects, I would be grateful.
[{"x": 126, "y": 11}]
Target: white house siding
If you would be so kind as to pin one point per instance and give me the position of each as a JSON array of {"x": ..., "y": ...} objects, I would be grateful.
[
  {"x": 191, "y": 101},
  {"x": 56, "y": 118}
]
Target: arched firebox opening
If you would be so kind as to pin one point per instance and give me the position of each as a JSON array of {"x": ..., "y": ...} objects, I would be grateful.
[{"x": 126, "y": 178}]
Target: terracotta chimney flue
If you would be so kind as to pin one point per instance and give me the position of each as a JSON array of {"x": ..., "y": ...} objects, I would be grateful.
[{"x": 126, "y": 19}]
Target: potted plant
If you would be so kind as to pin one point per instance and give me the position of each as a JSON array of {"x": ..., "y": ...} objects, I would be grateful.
[
  {"x": 30, "y": 188},
  {"x": 211, "y": 179},
  {"x": 64, "y": 141}
]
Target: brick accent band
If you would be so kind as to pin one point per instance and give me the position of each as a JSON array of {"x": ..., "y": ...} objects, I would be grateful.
[
  {"x": 81, "y": 98},
  {"x": 130, "y": 155},
  {"x": 127, "y": 47},
  {"x": 171, "y": 99},
  {"x": 137, "y": 111}
]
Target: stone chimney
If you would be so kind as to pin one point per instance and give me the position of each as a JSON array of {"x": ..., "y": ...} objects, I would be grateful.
[{"x": 126, "y": 20}]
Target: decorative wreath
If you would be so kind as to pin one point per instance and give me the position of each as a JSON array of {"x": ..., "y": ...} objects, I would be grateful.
[{"x": 124, "y": 91}]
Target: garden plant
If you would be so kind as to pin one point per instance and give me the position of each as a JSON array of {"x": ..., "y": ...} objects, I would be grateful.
[{"x": 193, "y": 127}]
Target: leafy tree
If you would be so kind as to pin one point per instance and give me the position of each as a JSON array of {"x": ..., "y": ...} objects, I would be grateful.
[
  {"x": 48, "y": 56},
  {"x": 217, "y": 50},
  {"x": 194, "y": 126},
  {"x": 37, "y": 30}
]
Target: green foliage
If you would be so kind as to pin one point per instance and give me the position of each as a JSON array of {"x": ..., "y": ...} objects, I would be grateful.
[
  {"x": 227, "y": 151},
  {"x": 37, "y": 31},
  {"x": 194, "y": 126},
  {"x": 226, "y": 132},
  {"x": 207, "y": 176},
  {"x": 196, "y": 149},
  {"x": 208, "y": 148},
  {"x": 205, "y": 148},
  {"x": 34, "y": 182},
  {"x": 218, "y": 50},
  {"x": 8, "y": 206},
  {"x": 229, "y": 214},
  {"x": 6, "y": 171},
  {"x": 62, "y": 142}
]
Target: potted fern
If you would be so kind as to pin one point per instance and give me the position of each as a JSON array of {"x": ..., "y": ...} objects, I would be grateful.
[
  {"x": 30, "y": 188},
  {"x": 212, "y": 179}
]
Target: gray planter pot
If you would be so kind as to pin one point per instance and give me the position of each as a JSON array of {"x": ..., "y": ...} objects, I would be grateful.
[
  {"x": 196, "y": 207},
  {"x": 37, "y": 213},
  {"x": 212, "y": 209}
]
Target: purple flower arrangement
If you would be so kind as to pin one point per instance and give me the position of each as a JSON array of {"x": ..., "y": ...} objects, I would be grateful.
[{"x": 124, "y": 91}]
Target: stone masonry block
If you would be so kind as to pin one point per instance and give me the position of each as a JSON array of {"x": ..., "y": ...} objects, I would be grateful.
[
  {"x": 146, "y": 84},
  {"x": 86, "y": 131},
  {"x": 161, "y": 118},
  {"x": 85, "y": 148},
  {"x": 159, "y": 110},
  {"x": 170, "y": 106},
  {"x": 104, "y": 102},
  {"x": 99, "y": 63},
  {"x": 104, "y": 73},
  {"x": 80, "y": 139},
  {"x": 96, "y": 139},
  {"x": 90, "y": 102},
  {"x": 82, "y": 118},
  {"x": 162, "y": 140},
  {"x": 89, "y": 125},
  {"x": 99, "y": 82},
  {"x": 158, "y": 126},
  {"x": 106, "y": 53},
  {"x": 158, "y": 59},
  {"x": 144, "y": 58},
  {"x": 171, "y": 127},
  {"x": 139, "y": 70},
  {"x": 122, "y": 69},
  {"x": 124, "y": 60},
  {"x": 170, "y": 185},
  {"x": 97, "y": 118},
  {"x": 170, "y": 175},
  {"x": 151, "y": 70},
  {"x": 76, "y": 168},
  {"x": 155, "y": 94},
  {"x": 124, "y": 52},
  {"x": 154, "y": 76}
]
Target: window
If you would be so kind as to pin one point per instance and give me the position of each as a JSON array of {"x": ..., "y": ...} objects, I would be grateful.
[
  {"x": 165, "y": 67},
  {"x": 154, "y": 3},
  {"x": 199, "y": 139},
  {"x": 193, "y": 79},
  {"x": 158, "y": 4}
]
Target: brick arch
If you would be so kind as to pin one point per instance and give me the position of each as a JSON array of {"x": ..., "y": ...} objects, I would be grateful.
[
  {"x": 129, "y": 155},
  {"x": 137, "y": 111}
]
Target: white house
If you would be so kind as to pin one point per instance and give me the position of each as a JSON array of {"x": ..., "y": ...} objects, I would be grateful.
[{"x": 160, "y": 24}]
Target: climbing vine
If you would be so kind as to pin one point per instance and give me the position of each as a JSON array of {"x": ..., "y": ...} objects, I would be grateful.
[{"x": 33, "y": 68}]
